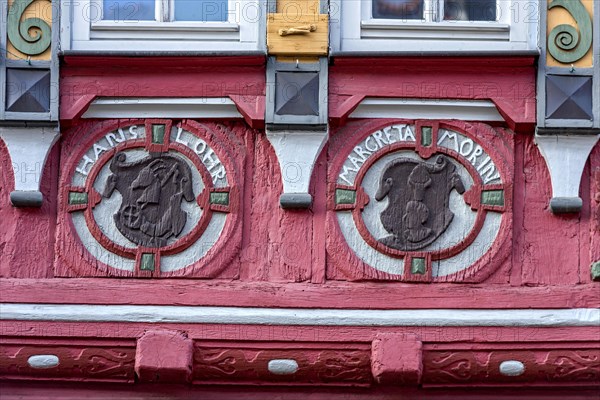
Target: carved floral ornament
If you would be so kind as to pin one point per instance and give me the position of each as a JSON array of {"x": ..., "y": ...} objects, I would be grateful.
[
  {"x": 151, "y": 199},
  {"x": 421, "y": 202}
]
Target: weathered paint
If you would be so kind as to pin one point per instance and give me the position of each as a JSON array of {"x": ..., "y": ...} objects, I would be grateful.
[{"x": 273, "y": 300}]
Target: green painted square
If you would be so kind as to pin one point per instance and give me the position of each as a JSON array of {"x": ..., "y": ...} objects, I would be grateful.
[
  {"x": 492, "y": 197},
  {"x": 220, "y": 198},
  {"x": 77, "y": 198},
  {"x": 426, "y": 136},
  {"x": 418, "y": 267},
  {"x": 158, "y": 134},
  {"x": 596, "y": 271},
  {"x": 344, "y": 196},
  {"x": 147, "y": 263}
]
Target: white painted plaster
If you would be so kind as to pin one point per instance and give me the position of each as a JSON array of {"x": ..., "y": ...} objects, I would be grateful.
[
  {"x": 282, "y": 367},
  {"x": 478, "y": 110},
  {"x": 480, "y": 246},
  {"x": 28, "y": 149},
  {"x": 512, "y": 368},
  {"x": 297, "y": 152},
  {"x": 300, "y": 316},
  {"x": 96, "y": 249},
  {"x": 363, "y": 250},
  {"x": 43, "y": 361},
  {"x": 566, "y": 157},
  {"x": 199, "y": 249}
]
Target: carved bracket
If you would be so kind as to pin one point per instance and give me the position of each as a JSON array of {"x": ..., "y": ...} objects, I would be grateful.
[
  {"x": 565, "y": 157},
  {"x": 28, "y": 148},
  {"x": 297, "y": 152}
]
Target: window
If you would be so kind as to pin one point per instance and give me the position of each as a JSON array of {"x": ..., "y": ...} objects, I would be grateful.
[
  {"x": 405, "y": 26},
  {"x": 163, "y": 25},
  {"x": 434, "y": 10},
  {"x": 164, "y": 11}
]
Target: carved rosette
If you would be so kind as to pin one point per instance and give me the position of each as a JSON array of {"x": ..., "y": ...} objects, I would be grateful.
[
  {"x": 153, "y": 198},
  {"x": 425, "y": 201}
]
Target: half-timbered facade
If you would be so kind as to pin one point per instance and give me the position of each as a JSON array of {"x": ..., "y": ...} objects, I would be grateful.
[{"x": 343, "y": 199}]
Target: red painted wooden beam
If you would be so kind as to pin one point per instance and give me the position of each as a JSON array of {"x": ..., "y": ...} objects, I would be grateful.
[
  {"x": 297, "y": 295},
  {"x": 509, "y": 82},
  {"x": 84, "y": 78}
]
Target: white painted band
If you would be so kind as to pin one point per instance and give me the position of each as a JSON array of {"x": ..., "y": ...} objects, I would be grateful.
[
  {"x": 470, "y": 110},
  {"x": 43, "y": 361},
  {"x": 308, "y": 317},
  {"x": 283, "y": 367},
  {"x": 200, "y": 107}
]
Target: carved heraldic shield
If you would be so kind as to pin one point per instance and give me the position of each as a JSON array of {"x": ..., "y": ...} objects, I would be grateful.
[
  {"x": 418, "y": 196},
  {"x": 152, "y": 191}
]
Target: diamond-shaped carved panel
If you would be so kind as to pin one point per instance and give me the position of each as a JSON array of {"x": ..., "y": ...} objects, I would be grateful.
[
  {"x": 297, "y": 93},
  {"x": 569, "y": 97},
  {"x": 27, "y": 90}
]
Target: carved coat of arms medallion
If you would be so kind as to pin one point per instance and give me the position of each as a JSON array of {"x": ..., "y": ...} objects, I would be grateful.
[
  {"x": 152, "y": 199},
  {"x": 420, "y": 202}
]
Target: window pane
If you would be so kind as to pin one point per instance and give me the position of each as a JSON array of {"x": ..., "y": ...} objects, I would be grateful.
[
  {"x": 128, "y": 10},
  {"x": 200, "y": 10},
  {"x": 470, "y": 10},
  {"x": 398, "y": 9}
]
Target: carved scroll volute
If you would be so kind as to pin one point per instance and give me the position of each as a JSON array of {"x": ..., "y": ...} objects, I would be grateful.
[
  {"x": 32, "y": 36},
  {"x": 567, "y": 43}
]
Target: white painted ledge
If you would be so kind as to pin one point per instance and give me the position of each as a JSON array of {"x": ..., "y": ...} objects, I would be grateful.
[
  {"x": 306, "y": 317},
  {"x": 449, "y": 30},
  {"x": 476, "y": 110},
  {"x": 200, "y": 107}
]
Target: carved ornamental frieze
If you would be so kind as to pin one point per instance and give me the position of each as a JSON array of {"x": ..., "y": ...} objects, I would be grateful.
[
  {"x": 151, "y": 198},
  {"x": 419, "y": 201}
]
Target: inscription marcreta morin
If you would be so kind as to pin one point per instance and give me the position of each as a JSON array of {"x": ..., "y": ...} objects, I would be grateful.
[{"x": 452, "y": 140}]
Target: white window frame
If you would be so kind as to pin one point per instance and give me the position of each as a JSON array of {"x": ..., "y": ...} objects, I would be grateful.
[
  {"x": 242, "y": 32},
  {"x": 354, "y": 30}
]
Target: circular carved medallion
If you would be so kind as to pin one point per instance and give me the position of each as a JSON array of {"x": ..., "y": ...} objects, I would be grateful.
[
  {"x": 420, "y": 201},
  {"x": 150, "y": 198}
]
